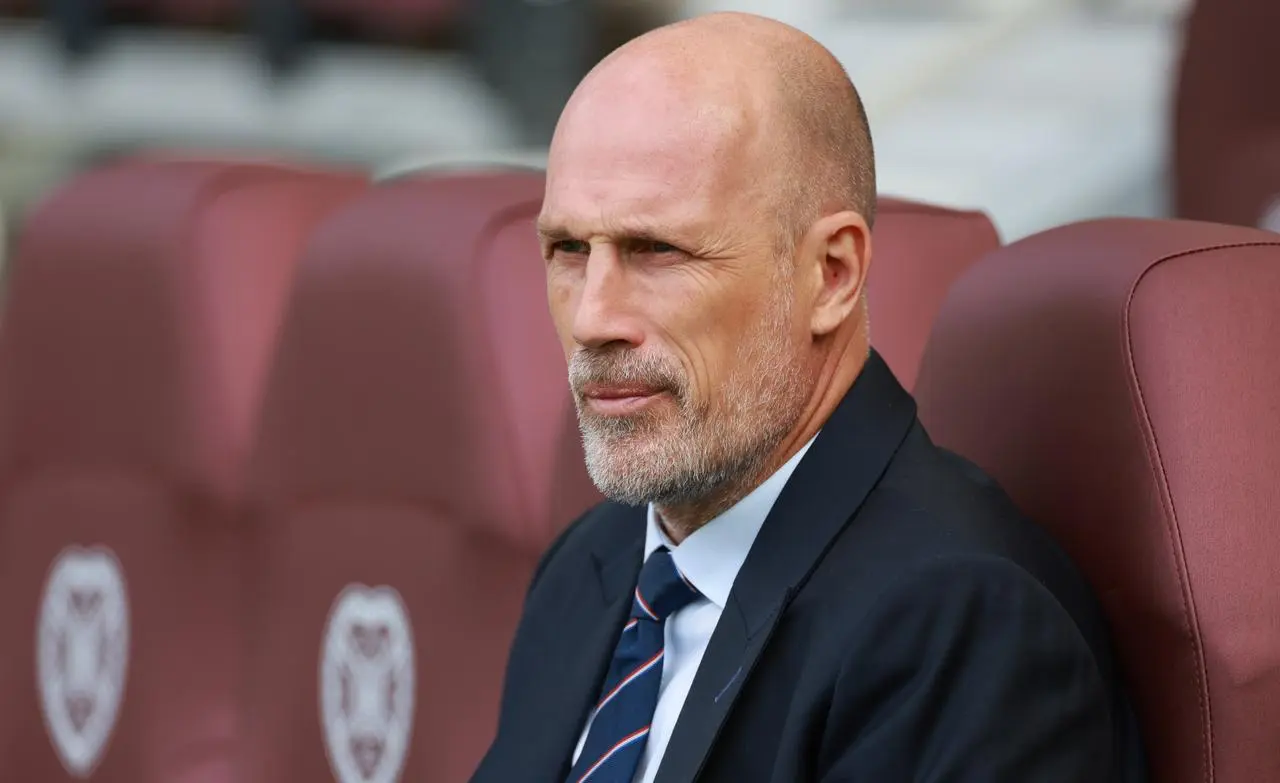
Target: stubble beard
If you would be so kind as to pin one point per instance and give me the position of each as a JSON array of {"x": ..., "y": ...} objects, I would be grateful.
[{"x": 681, "y": 453}]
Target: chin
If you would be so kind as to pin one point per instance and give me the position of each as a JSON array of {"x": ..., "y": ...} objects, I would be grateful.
[
  {"x": 622, "y": 467},
  {"x": 617, "y": 486}
]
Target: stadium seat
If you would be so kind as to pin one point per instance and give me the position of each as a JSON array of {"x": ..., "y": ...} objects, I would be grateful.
[
  {"x": 917, "y": 253},
  {"x": 1226, "y": 135},
  {"x": 143, "y": 304},
  {"x": 1119, "y": 378},
  {"x": 418, "y": 452}
]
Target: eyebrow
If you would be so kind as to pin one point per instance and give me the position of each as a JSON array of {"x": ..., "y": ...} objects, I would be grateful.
[
  {"x": 635, "y": 231},
  {"x": 548, "y": 233}
]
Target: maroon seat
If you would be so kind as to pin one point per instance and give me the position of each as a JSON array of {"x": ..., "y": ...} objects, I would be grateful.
[
  {"x": 1226, "y": 162},
  {"x": 143, "y": 302},
  {"x": 1120, "y": 378},
  {"x": 918, "y": 251},
  {"x": 418, "y": 452}
]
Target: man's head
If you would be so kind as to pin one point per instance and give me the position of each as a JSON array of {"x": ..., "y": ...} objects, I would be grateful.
[{"x": 706, "y": 227}]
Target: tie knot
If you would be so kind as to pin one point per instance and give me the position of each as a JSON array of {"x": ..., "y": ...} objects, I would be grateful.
[{"x": 662, "y": 590}]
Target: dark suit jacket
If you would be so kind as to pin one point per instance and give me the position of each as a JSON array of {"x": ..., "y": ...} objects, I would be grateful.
[{"x": 896, "y": 620}]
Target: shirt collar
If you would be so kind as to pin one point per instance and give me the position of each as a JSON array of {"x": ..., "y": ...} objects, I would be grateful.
[{"x": 712, "y": 555}]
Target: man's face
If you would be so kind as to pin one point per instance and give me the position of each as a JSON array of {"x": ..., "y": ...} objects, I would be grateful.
[{"x": 674, "y": 307}]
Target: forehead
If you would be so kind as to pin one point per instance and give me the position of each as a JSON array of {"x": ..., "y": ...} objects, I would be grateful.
[{"x": 640, "y": 162}]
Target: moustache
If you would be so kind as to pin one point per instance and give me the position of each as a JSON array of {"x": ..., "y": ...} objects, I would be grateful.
[{"x": 589, "y": 366}]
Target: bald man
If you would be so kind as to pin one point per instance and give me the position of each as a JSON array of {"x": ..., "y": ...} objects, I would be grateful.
[{"x": 790, "y": 582}]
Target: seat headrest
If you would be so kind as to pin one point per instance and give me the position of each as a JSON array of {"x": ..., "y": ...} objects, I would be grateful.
[
  {"x": 142, "y": 306},
  {"x": 918, "y": 252},
  {"x": 419, "y": 363},
  {"x": 1119, "y": 378}
]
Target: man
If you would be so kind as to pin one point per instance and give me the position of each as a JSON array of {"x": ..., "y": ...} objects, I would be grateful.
[{"x": 792, "y": 583}]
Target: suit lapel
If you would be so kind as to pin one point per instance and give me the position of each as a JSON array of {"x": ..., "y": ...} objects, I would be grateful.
[
  {"x": 834, "y": 478},
  {"x": 574, "y": 662}
]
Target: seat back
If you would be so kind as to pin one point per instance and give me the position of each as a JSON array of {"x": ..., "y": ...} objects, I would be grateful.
[
  {"x": 1226, "y": 136},
  {"x": 918, "y": 251},
  {"x": 143, "y": 303},
  {"x": 418, "y": 452},
  {"x": 1119, "y": 379}
]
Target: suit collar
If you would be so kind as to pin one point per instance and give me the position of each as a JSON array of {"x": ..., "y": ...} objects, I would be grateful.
[
  {"x": 844, "y": 463},
  {"x": 836, "y": 471},
  {"x": 833, "y": 479},
  {"x": 574, "y": 658},
  {"x": 619, "y": 553}
]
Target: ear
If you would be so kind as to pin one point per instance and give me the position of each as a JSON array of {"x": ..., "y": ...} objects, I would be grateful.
[{"x": 838, "y": 247}]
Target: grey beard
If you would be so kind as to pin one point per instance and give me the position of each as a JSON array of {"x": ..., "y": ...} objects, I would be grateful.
[{"x": 631, "y": 461}]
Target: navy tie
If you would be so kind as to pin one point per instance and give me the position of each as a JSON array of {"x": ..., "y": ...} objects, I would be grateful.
[{"x": 620, "y": 728}]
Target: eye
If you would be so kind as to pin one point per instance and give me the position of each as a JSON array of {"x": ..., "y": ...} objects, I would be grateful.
[
  {"x": 571, "y": 247},
  {"x": 657, "y": 248}
]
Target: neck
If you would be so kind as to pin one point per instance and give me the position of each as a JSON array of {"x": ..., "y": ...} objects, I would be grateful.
[
  {"x": 679, "y": 521},
  {"x": 837, "y": 373}
]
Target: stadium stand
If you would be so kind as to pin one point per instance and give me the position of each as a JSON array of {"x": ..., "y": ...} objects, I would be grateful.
[
  {"x": 416, "y": 434},
  {"x": 1118, "y": 378},
  {"x": 279, "y": 449},
  {"x": 142, "y": 308},
  {"x": 419, "y": 450}
]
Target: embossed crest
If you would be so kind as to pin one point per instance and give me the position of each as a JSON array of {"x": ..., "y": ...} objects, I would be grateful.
[
  {"x": 82, "y": 654},
  {"x": 367, "y": 682}
]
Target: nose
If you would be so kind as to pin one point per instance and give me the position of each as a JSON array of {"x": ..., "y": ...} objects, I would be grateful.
[{"x": 604, "y": 313}]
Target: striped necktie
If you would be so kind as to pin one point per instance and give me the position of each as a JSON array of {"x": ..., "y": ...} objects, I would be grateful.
[{"x": 620, "y": 727}]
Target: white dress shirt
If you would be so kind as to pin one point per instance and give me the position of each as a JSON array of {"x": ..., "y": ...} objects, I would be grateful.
[{"x": 710, "y": 559}]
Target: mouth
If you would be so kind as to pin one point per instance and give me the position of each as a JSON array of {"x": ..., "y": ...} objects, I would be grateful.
[{"x": 619, "y": 400}]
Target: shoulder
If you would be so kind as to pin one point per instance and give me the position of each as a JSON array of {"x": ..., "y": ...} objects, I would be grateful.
[
  {"x": 938, "y": 532},
  {"x": 972, "y": 661},
  {"x": 932, "y": 505},
  {"x": 943, "y": 598}
]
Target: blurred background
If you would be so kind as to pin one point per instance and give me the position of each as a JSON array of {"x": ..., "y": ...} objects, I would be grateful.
[
  {"x": 1037, "y": 111},
  {"x": 287, "y": 407}
]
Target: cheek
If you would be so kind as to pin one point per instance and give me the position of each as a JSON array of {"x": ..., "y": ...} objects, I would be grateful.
[
  {"x": 706, "y": 343},
  {"x": 742, "y": 342}
]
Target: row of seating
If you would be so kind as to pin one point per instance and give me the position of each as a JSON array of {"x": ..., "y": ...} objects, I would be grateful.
[
  {"x": 280, "y": 447},
  {"x": 250, "y": 412}
]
